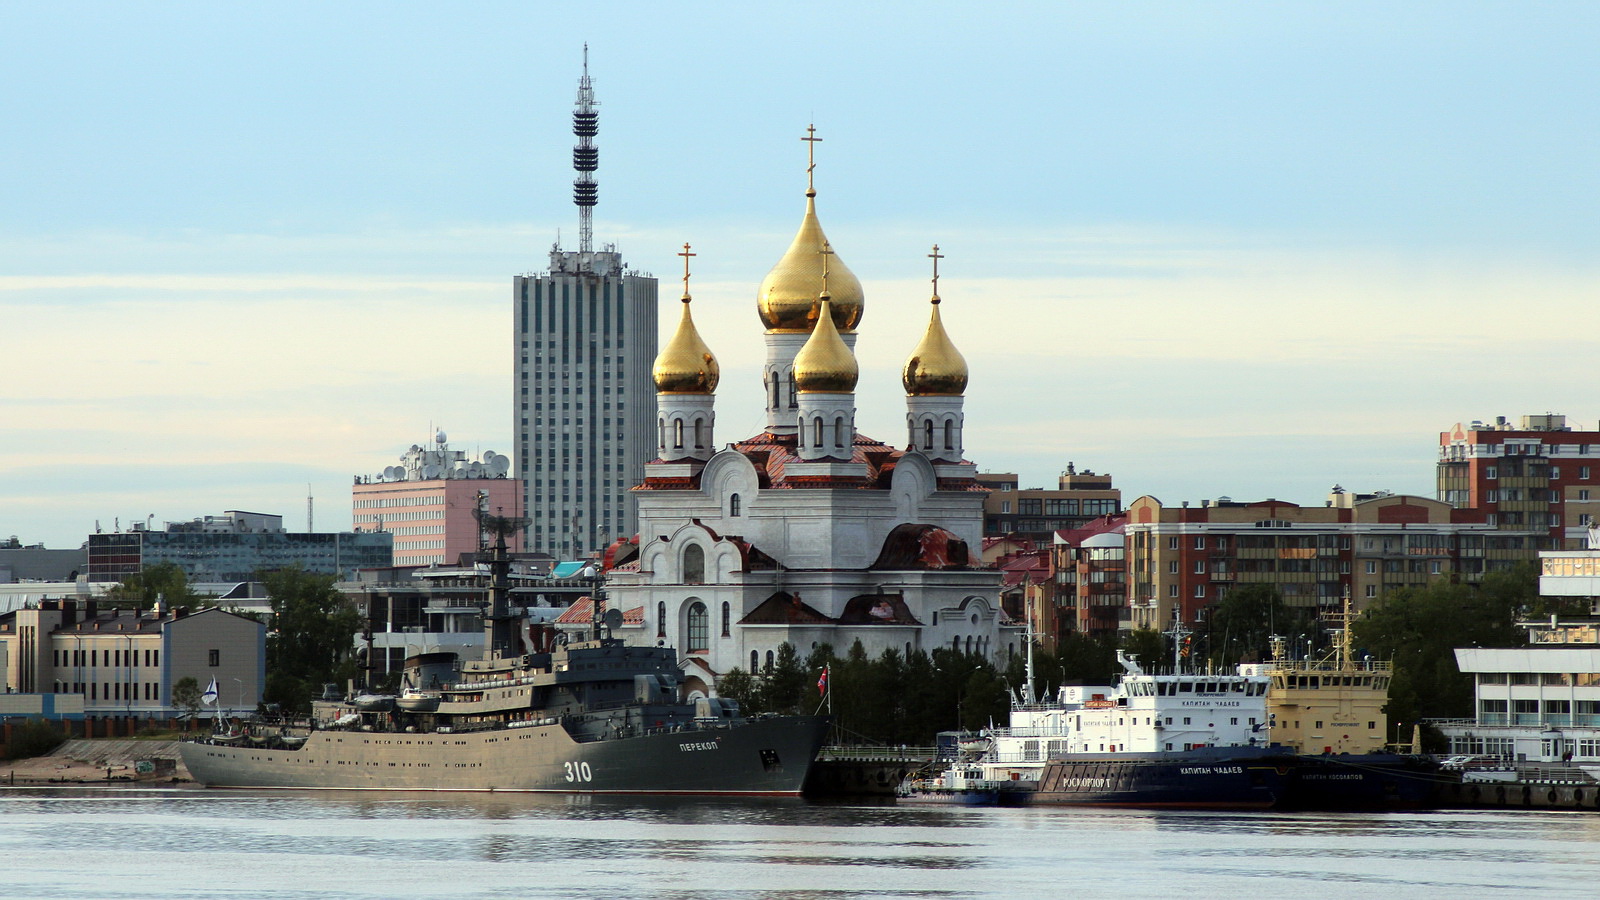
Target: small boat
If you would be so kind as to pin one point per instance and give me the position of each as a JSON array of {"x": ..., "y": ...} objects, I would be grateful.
[
  {"x": 374, "y": 702},
  {"x": 414, "y": 700}
]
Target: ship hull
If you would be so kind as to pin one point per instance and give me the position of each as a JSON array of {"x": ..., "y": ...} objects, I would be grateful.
[
  {"x": 1363, "y": 781},
  {"x": 1211, "y": 778},
  {"x": 768, "y": 756}
]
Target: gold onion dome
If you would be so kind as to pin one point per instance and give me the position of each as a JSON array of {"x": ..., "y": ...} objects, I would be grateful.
[
  {"x": 787, "y": 300},
  {"x": 825, "y": 364},
  {"x": 936, "y": 368},
  {"x": 685, "y": 365}
]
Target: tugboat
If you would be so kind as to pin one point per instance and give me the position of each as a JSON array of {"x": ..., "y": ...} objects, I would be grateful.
[{"x": 548, "y": 714}]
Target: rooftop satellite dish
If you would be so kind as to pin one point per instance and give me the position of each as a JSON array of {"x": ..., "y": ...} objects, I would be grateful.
[
  {"x": 613, "y": 619},
  {"x": 392, "y": 472},
  {"x": 399, "y": 474},
  {"x": 502, "y": 464},
  {"x": 430, "y": 471},
  {"x": 488, "y": 457},
  {"x": 440, "y": 436},
  {"x": 475, "y": 470}
]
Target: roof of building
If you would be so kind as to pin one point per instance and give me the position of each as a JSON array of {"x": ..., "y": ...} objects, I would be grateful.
[{"x": 581, "y": 612}]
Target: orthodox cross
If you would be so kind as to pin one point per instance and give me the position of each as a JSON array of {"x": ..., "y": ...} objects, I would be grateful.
[
  {"x": 936, "y": 256},
  {"x": 686, "y": 254},
  {"x": 811, "y": 140}
]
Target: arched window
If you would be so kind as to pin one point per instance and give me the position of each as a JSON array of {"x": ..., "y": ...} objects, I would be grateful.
[
  {"x": 816, "y": 429},
  {"x": 755, "y": 661},
  {"x": 927, "y": 435},
  {"x": 955, "y": 643},
  {"x": 792, "y": 403},
  {"x": 661, "y": 619},
  {"x": 769, "y": 660},
  {"x": 969, "y": 643},
  {"x": 727, "y": 619},
  {"x": 677, "y": 434},
  {"x": 694, "y": 564},
  {"x": 911, "y": 433},
  {"x": 699, "y": 628},
  {"x": 733, "y": 504},
  {"x": 700, "y": 438},
  {"x": 949, "y": 435},
  {"x": 838, "y": 432},
  {"x": 661, "y": 426}
]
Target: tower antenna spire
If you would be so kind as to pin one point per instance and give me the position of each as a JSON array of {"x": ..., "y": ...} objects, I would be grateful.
[{"x": 585, "y": 157}]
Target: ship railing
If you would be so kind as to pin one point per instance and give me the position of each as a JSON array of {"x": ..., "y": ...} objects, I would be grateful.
[{"x": 866, "y": 753}]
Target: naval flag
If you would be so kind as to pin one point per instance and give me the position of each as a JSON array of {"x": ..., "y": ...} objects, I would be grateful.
[
  {"x": 822, "y": 683},
  {"x": 209, "y": 698}
]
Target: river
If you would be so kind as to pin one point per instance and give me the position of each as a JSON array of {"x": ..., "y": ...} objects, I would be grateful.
[{"x": 133, "y": 844}]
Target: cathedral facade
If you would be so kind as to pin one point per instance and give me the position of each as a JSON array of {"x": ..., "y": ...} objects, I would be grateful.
[{"x": 809, "y": 532}]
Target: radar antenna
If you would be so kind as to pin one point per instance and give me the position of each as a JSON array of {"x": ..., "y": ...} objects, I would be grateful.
[{"x": 585, "y": 157}]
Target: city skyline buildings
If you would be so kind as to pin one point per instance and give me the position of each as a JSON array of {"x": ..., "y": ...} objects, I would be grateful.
[{"x": 1246, "y": 251}]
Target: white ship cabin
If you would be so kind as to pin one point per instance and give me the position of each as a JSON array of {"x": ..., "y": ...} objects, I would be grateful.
[{"x": 1141, "y": 714}]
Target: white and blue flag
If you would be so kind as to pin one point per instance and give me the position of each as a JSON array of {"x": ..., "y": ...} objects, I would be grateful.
[{"x": 209, "y": 698}]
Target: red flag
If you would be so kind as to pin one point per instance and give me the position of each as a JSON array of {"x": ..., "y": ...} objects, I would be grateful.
[{"x": 822, "y": 683}]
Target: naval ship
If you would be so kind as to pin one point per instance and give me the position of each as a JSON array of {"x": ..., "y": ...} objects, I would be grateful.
[{"x": 538, "y": 712}]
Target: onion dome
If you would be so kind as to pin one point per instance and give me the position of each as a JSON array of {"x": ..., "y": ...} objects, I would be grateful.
[
  {"x": 936, "y": 368},
  {"x": 787, "y": 300},
  {"x": 825, "y": 364},
  {"x": 685, "y": 365}
]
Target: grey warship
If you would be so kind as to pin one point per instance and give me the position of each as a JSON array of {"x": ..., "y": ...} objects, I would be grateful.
[{"x": 548, "y": 715}]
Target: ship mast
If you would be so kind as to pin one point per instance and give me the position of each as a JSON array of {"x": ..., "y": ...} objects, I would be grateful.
[
  {"x": 585, "y": 157},
  {"x": 500, "y": 625}
]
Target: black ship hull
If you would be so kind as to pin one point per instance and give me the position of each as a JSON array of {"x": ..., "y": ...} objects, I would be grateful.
[
  {"x": 1209, "y": 778},
  {"x": 1240, "y": 778},
  {"x": 1363, "y": 781}
]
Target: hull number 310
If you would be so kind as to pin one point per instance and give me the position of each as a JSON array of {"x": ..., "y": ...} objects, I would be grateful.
[{"x": 579, "y": 771}]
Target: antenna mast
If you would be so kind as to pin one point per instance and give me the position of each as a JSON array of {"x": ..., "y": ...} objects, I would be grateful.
[{"x": 585, "y": 157}]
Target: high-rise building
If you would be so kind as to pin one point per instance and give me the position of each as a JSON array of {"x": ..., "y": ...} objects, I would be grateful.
[
  {"x": 1035, "y": 514},
  {"x": 584, "y": 405},
  {"x": 428, "y": 502},
  {"x": 1541, "y": 477}
]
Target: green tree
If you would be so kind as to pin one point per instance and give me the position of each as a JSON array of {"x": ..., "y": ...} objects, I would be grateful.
[
  {"x": 34, "y": 737},
  {"x": 309, "y": 638},
  {"x": 1420, "y": 630},
  {"x": 186, "y": 696},
  {"x": 1240, "y": 625},
  {"x": 783, "y": 687},
  {"x": 164, "y": 580},
  {"x": 1148, "y": 647},
  {"x": 741, "y": 687}
]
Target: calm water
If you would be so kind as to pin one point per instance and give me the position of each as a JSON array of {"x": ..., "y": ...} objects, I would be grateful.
[{"x": 187, "y": 843}]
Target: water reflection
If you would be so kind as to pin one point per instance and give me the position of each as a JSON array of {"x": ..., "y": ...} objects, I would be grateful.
[{"x": 283, "y": 845}]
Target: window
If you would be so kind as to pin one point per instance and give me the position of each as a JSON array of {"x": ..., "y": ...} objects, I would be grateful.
[
  {"x": 817, "y": 430},
  {"x": 661, "y": 619},
  {"x": 1172, "y": 543},
  {"x": 1372, "y": 591},
  {"x": 1199, "y": 590},
  {"x": 838, "y": 432},
  {"x": 1372, "y": 567},
  {"x": 1172, "y": 590},
  {"x": 927, "y": 435},
  {"x": 1172, "y": 567},
  {"x": 1491, "y": 472},
  {"x": 727, "y": 619},
  {"x": 214, "y": 658},
  {"x": 1199, "y": 567},
  {"x": 1199, "y": 543},
  {"x": 694, "y": 564},
  {"x": 699, "y": 628},
  {"x": 699, "y": 434},
  {"x": 1583, "y": 473},
  {"x": 949, "y": 435},
  {"x": 733, "y": 505},
  {"x": 1583, "y": 494},
  {"x": 755, "y": 660}
]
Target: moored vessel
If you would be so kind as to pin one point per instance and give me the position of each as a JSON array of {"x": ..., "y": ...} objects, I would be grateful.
[{"x": 536, "y": 713}]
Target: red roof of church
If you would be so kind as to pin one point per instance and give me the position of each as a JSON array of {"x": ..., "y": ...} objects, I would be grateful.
[{"x": 581, "y": 612}]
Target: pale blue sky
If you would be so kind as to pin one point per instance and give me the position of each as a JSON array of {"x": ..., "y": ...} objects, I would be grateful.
[{"x": 1243, "y": 249}]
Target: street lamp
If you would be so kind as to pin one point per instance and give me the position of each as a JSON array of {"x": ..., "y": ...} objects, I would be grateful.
[{"x": 241, "y": 695}]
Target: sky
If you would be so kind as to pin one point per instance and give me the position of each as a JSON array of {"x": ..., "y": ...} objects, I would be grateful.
[{"x": 249, "y": 250}]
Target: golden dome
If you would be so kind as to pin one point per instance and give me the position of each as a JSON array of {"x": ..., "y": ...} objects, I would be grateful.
[
  {"x": 787, "y": 300},
  {"x": 936, "y": 368},
  {"x": 825, "y": 364},
  {"x": 685, "y": 365}
]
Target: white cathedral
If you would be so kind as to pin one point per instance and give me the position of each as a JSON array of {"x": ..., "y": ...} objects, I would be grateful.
[{"x": 809, "y": 532}]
